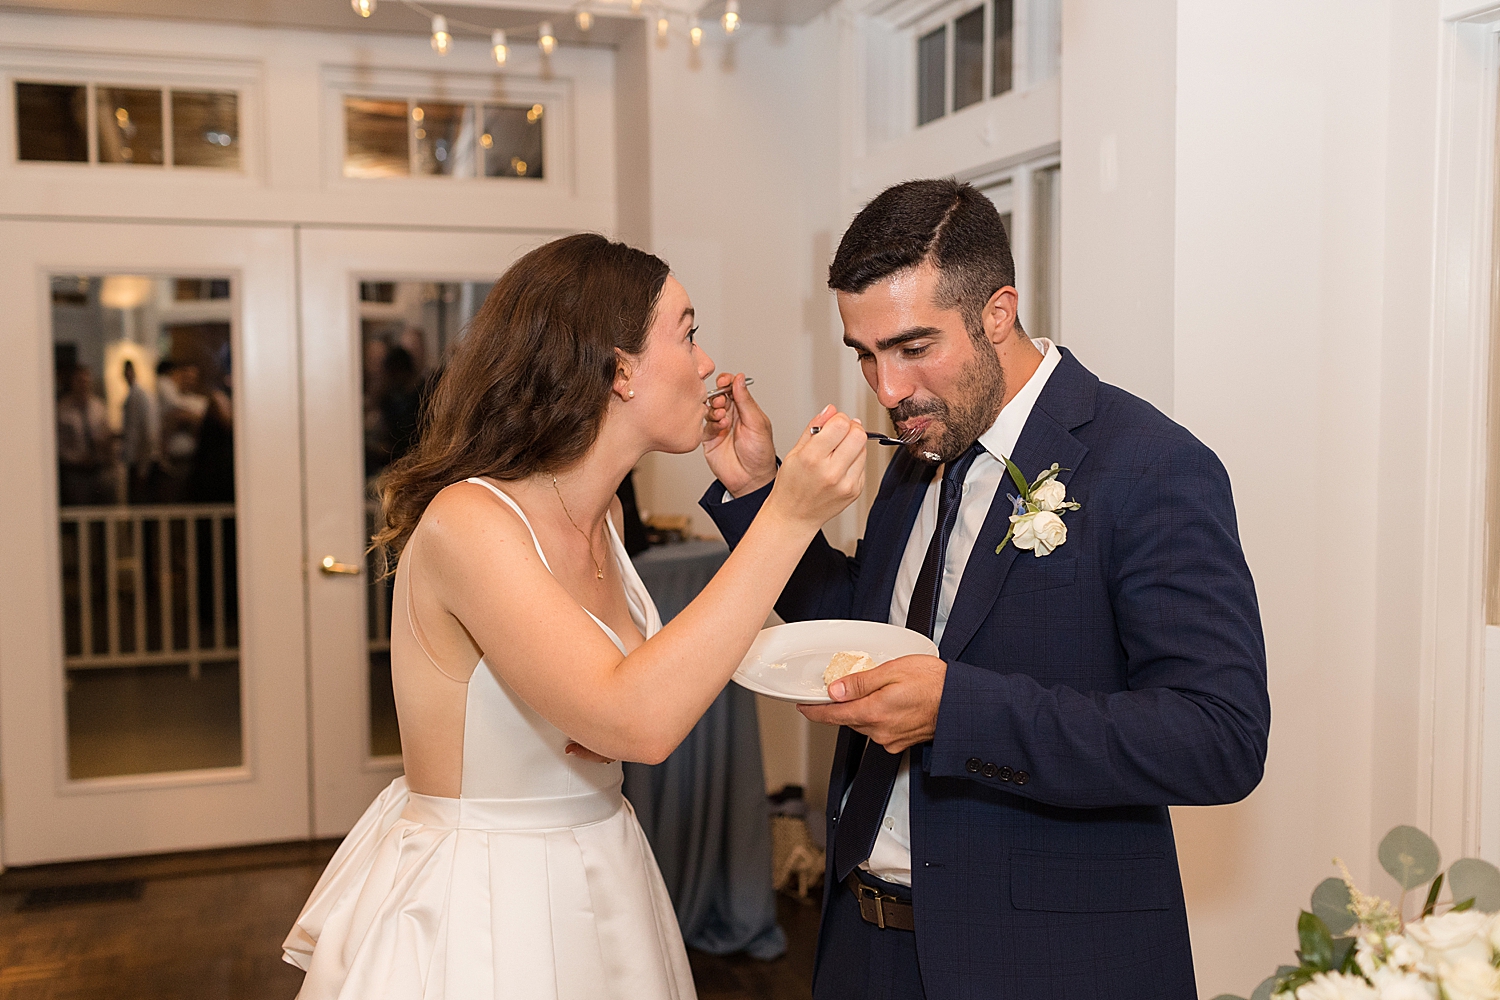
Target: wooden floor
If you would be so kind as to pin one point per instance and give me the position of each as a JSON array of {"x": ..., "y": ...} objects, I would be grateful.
[{"x": 209, "y": 926}]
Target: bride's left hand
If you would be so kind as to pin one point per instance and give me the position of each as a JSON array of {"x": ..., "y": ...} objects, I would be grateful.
[{"x": 579, "y": 750}]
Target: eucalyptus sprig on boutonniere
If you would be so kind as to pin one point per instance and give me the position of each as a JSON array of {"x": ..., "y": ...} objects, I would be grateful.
[{"x": 1036, "y": 517}]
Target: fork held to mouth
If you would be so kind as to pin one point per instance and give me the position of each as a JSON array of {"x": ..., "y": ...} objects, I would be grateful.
[{"x": 910, "y": 437}]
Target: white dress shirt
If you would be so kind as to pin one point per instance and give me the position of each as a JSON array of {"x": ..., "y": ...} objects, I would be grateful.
[{"x": 891, "y": 857}]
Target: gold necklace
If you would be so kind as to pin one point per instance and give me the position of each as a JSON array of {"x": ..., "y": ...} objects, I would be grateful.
[{"x": 598, "y": 567}]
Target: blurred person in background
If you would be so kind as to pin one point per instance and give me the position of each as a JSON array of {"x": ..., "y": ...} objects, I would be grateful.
[
  {"x": 140, "y": 448},
  {"x": 85, "y": 444},
  {"x": 180, "y": 409}
]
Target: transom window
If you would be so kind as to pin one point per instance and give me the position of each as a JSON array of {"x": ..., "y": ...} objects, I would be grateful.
[
  {"x": 983, "y": 51},
  {"x": 97, "y": 123},
  {"x": 396, "y": 137}
]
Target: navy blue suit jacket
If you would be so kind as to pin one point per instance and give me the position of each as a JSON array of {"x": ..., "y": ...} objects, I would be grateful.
[{"x": 1086, "y": 691}]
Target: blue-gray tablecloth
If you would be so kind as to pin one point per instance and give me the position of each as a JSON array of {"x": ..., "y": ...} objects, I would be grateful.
[{"x": 704, "y": 807}]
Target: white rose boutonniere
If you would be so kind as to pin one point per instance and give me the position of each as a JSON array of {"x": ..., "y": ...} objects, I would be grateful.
[{"x": 1036, "y": 523}]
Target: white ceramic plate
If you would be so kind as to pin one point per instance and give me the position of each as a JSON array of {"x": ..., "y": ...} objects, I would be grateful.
[{"x": 786, "y": 662}]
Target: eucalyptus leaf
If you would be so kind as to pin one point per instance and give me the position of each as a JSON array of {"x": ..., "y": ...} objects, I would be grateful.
[
  {"x": 1317, "y": 944},
  {"x": 1330, "y": 901},
  {"x": 1472, "y": 878},
  {"x": 1410, "y": 856},
  {"x": 1467, "y": 904},
  {"x": 1263, "y": 991}
]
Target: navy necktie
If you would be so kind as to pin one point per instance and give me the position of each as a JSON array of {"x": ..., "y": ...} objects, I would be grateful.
[{"x": 859, "y": 823}]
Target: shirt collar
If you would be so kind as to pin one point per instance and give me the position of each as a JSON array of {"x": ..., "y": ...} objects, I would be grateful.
[{"x": 1000, "y": 440}]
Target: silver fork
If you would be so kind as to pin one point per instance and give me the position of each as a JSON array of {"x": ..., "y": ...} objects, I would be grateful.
[{"x": 910, "y": 437}]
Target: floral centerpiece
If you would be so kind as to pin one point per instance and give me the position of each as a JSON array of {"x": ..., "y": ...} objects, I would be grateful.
[{"x": 1358, "y": 947}]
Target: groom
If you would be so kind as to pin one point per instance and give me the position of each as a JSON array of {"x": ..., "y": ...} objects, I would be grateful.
[{"x": 997, "y": 814}]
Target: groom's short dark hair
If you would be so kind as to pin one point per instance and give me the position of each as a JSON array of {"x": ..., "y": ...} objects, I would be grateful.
[{"x": 946, "y": 223}]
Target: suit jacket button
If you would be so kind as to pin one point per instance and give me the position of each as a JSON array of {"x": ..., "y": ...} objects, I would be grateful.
[
  {"x": 989, "y": 770},
  {"x": 972, "y": 765},
  {"x": 1022, "y": 777},
  {"x": 1005, "y": 773}
]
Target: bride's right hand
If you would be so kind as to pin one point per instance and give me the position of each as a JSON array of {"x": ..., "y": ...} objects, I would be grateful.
[{"x": 824, "y": 472}]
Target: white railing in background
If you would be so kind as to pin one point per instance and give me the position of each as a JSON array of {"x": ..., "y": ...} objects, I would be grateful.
[{"x": 149, "y": 585}]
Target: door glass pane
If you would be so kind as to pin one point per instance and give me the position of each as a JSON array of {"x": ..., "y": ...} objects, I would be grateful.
[
  {"x": 968, "y": 59},
  {"x": 376, "y": 143},
  {"x": 1046, "y": 258},
  {"x": 407, "y": 330},
  {"x": 932, "y": 71},
  {"x": 512, "y": 141},
  {"x": 206, "y": 129},
  {"x": 147, "y": 534},
  {"x": 1003, "y": 53},
  {"x": 445, "y": 139},
  {"x": 130, "y": 127},
  {"x": 52, "y": 122}
]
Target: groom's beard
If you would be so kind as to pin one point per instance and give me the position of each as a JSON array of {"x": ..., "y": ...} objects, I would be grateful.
[{"x": 980, "y": 390}]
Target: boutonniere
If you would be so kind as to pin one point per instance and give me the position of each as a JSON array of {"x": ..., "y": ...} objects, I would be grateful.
[{"x": 1036, "y": 517}]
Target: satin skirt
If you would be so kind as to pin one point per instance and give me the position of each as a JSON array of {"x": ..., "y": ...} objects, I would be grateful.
[{"x": 442, "y": 899}]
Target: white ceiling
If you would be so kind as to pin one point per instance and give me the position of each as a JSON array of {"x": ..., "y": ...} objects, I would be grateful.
[{"x": 393, "y": 16}]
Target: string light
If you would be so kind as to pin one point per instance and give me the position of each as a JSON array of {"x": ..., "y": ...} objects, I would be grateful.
[
  {"x": 442, "y": 41},
  {"x": 442, "y": 36}
]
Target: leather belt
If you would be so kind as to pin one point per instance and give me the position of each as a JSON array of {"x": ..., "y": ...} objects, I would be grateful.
[{"x": 881, "y": 909}]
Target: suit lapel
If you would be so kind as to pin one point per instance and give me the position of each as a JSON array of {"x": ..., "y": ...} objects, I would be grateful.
[{"x": 1043, "y": 441}]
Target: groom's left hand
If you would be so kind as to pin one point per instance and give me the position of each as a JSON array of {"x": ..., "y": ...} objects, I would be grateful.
[{"x": 894, "y": 704}]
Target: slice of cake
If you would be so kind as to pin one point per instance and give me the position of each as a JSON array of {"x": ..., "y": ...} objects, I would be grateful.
[{"x": 846, "y": 663}]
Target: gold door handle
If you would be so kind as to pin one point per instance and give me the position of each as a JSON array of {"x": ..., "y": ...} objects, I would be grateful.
[{"x": 332, "y": 567}]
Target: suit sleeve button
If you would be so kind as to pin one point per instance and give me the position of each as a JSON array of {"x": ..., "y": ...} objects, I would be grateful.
[
  {"x": 1022, "y": 777},
  {"x": 972, "y": 765},
  {"x": 1005, "y": 773},
  {"x": 989, "y": 770}
]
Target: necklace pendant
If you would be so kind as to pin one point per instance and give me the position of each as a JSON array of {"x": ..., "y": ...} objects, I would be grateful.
[{"x": 599, "y": 574}]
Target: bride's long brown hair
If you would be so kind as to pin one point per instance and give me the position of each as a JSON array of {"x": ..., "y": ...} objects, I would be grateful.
[{"x": 527, "y": 389}]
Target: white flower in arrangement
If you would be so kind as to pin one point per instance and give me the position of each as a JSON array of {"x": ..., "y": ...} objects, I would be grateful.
[
  {"x": 1050, "y": 495},
  {"x": 1453, "y": 938},
  {"x": 1036, "y": 524},
  {"x": 1402, "y": 952},
  {"x": 1470, "y": 979},
  {"x": 1393, "y": 984},
  {"x": 1336, "y": 986},
  {"x": 1040, "y": 532}
]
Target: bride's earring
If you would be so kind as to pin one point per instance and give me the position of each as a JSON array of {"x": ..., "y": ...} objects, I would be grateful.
[{"x": 630, "y": 394}]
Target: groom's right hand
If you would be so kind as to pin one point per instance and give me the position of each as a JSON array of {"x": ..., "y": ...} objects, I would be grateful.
[{"x": 737, "y": 439}]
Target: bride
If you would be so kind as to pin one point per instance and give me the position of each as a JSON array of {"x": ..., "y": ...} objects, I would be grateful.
[{"x": 505, "y": 861}]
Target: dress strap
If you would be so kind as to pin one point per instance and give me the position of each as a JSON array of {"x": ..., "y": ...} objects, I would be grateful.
[{"x": 519, "y": 513}]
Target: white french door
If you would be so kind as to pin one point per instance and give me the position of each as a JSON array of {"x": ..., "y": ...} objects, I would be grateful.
[
  {"x": 380, "y": 310},
  {"x": 152, "y": 625}
]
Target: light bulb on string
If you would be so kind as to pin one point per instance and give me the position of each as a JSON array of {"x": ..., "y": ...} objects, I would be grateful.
[
  {"x": 585, "y": 20},
  {"x": 695, "y": 32},
  {"x": 442, "y": 41},
  {"x": 498, "y": 48},
  {"x": 731, "y": 19},
  {"x": 635, "y": 6},
  {"x": 662, "y": 26},
  {"x": 546, "y": 39},
  {"x": 364, "y": 8}
]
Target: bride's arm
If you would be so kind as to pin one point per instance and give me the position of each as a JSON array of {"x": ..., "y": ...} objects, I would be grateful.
[{"x": 547, "y": 648}]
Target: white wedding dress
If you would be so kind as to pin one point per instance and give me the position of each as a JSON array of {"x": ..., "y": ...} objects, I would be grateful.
[{"x": 536, "y": 882}]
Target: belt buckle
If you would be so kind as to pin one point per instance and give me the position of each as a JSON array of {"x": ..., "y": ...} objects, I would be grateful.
[{"x": 875, "y": 898}]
